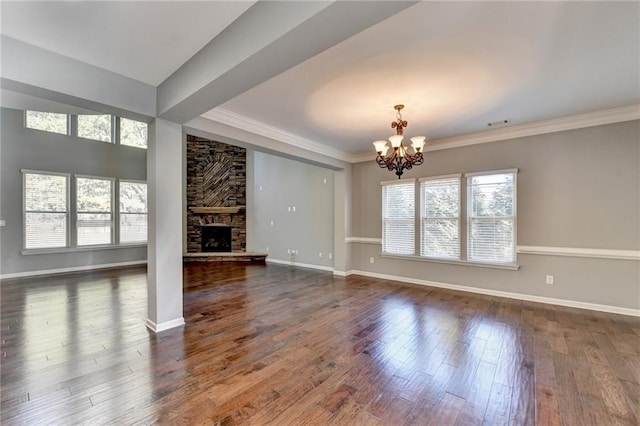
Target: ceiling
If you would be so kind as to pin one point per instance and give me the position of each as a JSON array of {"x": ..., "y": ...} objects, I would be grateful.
[{"x": 455, "y": 65}]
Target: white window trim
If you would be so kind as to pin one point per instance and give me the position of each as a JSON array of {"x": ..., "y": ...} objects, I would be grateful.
[
  {"x": 509, "y": 266},
  {"x": 118, "y": 132},
  {"x": 24, "y": 207},
  {"x": 24, "y": 122},
  {"x": 451, "y": 176},
  {"x": 491, "y": 172},
  {"x": 398, "y": 182},
  {"x": 112, "y": 134},
  {"x": 515, "y": 172},
  {"x": 72, "y": 212},
  {"x": 463, "y": 230},
  {"x": 72, "y": 128},
  {"x": 29, "y": 252}
]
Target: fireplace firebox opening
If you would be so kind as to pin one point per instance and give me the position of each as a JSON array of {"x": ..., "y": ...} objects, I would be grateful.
[{"x": 216, "y": 238}]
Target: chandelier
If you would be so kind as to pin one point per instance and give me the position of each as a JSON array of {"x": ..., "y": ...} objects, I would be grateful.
[{"x": 399, "y": 157}]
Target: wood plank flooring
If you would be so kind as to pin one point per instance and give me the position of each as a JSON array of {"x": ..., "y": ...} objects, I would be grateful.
[{"x": 267, "y": 344}]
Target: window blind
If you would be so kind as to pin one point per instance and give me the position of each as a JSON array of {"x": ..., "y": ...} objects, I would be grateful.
[
  {"x": 491, "y": 218},
  {"x": 398, "y": 218},
  {"x": 440, "y": 218},
  {"x": 133, "y": 212},
  {"x": 94, "y": 215},
  {"x": 45, "y": 210}
]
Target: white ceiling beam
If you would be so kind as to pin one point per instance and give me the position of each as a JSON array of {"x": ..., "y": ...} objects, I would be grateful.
[
  {"x": 38, "y": 72},
  {"x": 266, "y": 40},
  {"x": 220, "y": 132}
]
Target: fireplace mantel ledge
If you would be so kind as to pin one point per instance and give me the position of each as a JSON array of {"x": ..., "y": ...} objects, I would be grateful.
[{"x": 208, "y": 210}]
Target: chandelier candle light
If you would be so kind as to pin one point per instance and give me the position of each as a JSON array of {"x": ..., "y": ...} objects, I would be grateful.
[{"x": 399, "y": 157}]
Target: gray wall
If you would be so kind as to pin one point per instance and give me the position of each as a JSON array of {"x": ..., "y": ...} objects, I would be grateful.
[
  {"x": 24, "y": 148},
  {"x": 277, "y": 185},
  {"x": 576, "y": 189}
]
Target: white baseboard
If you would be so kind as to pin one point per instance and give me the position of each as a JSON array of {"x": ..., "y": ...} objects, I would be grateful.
[
  {"x": 509, "y": 295},
  {"x": 298, "y": 264},
  {"x": 343, "y": 273},
  {"x": 71, "y": 269},
  {"x": 157, "y": 328}
]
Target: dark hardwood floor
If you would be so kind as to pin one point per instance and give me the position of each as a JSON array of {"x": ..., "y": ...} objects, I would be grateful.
[{"x": 274, "y": 345}]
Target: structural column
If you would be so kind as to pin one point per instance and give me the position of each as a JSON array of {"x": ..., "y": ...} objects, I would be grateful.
[
  {"x": 342, "y": 221},
  {"x": 164, "y": 252}
]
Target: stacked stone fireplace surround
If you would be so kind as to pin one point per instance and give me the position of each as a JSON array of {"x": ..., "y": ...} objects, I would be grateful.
[{"x": 216, "y": 196}]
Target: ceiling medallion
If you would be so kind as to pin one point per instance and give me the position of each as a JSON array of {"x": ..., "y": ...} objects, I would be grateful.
[{"x": 399, "y": 157}]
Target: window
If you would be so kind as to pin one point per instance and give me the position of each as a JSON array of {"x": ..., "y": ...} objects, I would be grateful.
[
  {"x": 489, "y": 225},
  {"x": 93, "y": 209},
  {"x": 133, "y": 212},
  {"x": 491, "y": 217},
  {"x": 95, "y": 126},
  {"x": 133, "y": 133},
  {"x": 99, "y": 127},
  {"x": 440, "y": 217},
  {"x": 398, "y": 217},
  {"x": 46, "y": 218},
  {"x": 47, "y": 121}
]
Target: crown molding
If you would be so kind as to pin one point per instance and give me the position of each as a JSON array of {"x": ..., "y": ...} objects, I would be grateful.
[
  {"x": 597, "y": 118},
  {"x": 242, "y": 122}
]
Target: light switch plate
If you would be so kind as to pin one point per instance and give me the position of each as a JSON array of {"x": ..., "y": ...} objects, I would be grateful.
[{"x": 3, "y": 222}]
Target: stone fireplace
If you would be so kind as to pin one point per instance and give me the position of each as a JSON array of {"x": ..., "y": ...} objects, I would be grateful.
[{"x": 216, "y": 195}]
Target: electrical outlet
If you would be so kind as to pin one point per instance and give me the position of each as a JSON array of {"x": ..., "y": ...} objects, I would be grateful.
[
  {"x": 293, "y": 208},
  {"x": 3, "y": 222},
  {"x": 267, "y": 249},
  {"x": 271, "y": 223},
  {"x": 330, "y": 256},
  {"x": 324, "y": 181},
  {"x": 320, "y": 254},
  {"x": 260, "y": 187},
  {"x": 371, "y": 259},
  {"x": 550, "y": 279},
  {"x": 288, "y": 251},
  {"x": 289, "y": 208}
]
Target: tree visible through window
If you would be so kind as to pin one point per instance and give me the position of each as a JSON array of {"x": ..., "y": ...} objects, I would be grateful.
[
  {"x": 133, "y": 133},
  {"x": 47, "y": 121},
  {"x": 133, "y": 212},
  {"x": 491, "y": 218},
  {"x": 440, "y": 221},
  {"x": 94, "y": 215},
  {"x": 490, "y": 224},
  {"x": 95, "y": 126}
]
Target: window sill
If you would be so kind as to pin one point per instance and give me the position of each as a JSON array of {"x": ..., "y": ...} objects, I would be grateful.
[
  {"x": 28, "y": 252},
  {"x": 507, "y": 266}
]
